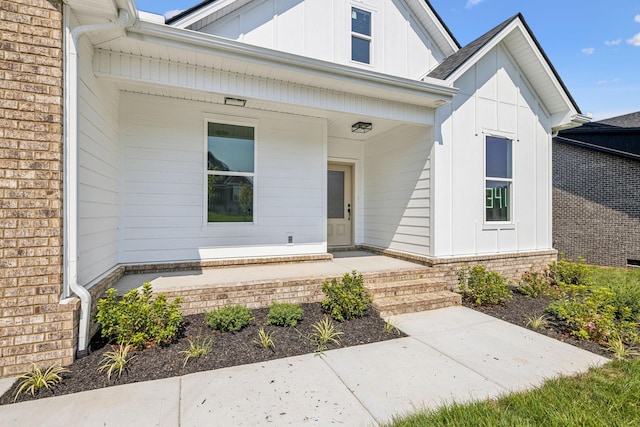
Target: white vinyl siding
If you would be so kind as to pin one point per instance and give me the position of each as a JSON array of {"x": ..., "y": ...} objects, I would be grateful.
[
  {"x": 397, "y": 191},
  {"x": 164, "y": 184},
  {"x": 98, "y": 172},
  {"x": 321, "y": 29}
]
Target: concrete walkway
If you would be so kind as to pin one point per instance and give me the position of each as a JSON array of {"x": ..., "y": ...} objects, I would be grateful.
[{"x": 452, "y": 354}]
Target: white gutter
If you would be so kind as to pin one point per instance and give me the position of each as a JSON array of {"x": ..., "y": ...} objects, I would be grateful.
[{"x": 70, "y": 225}]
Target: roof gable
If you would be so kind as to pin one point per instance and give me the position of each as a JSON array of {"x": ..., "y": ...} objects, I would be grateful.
[
  {"x": 209, "y": 11},
  {"x": 519, "y": 40}
]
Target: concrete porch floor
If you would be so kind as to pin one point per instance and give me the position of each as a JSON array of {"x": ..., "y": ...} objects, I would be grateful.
[{"x": 343, "y": 262}]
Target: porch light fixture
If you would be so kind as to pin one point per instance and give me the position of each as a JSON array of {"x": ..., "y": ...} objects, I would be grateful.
[
  {"x": 236, "y": 102},
  {"x": 361, "y": 127}
]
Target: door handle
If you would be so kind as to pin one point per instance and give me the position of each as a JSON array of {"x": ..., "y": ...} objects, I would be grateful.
[{"x": 349, "y": 211}]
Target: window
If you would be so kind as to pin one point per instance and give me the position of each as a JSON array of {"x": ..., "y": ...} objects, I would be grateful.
[
  {"x": 498, "y": 179},
  {"x": 360, "y": 35},
  {"x": 230, "y": 172}
]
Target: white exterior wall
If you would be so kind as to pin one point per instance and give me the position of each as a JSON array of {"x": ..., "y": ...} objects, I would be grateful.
[
  {"x": 98, "y": 171},
  {"x": 397, "y": 190},
  {"x": 163, "y": 214},
  {"x": 321, "y": 29},
  {"x": 494, "y": 99}
]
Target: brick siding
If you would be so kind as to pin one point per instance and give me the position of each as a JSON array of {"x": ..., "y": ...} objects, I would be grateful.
[
  {"x": 596, "y": 205},
  {"x": 35, "y": 326}
]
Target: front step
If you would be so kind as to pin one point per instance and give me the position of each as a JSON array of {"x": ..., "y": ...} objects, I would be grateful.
[
  {"x": 393, "y": 305},
  {"x": 404, "y": 287}
]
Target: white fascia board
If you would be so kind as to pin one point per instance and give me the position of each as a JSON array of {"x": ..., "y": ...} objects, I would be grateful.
[
  {"x": 451, "y": 45},
  {"x": 517, "y": 25},
  {"x": 202, "y": 13},
  {"x": 213, "y": 45}
]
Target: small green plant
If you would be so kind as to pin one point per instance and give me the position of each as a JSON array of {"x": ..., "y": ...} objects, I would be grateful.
[
  {"x": 229, "y": 319},
  {"x": 620, "y": 350},
  {"x": 36, "y": 379},
  {"x": 138, "y": 319},
  {"x": 569, "y": 272},
  {"x": 284, "y": 314},
  {"x": 324, "y": 332},
  {"x": 347, "y": 298},
  {"x": 538, "y": 322},
  {"x": 116, "y": 360},
  {"x": 390, "y": 328},
  {"x": 482, "y": 286},
  {"x": 592, "y": 316},
  {"x": 534, "y": 284},
  {"x": 197, "y": 347},
  {"x": 265, "y": 339}
]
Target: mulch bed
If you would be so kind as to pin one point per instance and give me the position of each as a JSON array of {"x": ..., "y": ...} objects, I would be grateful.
[{"x": 229, "y": 349}]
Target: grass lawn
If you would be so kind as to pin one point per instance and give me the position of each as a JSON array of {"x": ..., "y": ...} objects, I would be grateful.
[{"x": 605, "y": 396}]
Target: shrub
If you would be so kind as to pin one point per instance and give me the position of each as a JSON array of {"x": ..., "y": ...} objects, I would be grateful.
[
  {"x": 483, "y": 287},
  {"x": 627, "y": 295},
  {"x": 592, "y": 316},
  {"x": 569, "y": 272},
  {"x": 229, "y": 319},
  {"x": 347, "y": 298},
  {"x": 36, "y": 379},
  {"x": 137, "y": 319},
  {"x": 284, "y": 314},
  {"x": 533, "y": 284}
]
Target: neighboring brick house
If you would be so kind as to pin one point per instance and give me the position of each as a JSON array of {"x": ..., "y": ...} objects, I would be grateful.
[{"x": 596, "y": 196}]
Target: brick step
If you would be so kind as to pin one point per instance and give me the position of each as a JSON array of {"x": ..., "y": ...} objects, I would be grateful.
[
  {"x": 397, "y": 275},
  {"x": 406, "y": 287},
  {"x": 390, "y": 306}
]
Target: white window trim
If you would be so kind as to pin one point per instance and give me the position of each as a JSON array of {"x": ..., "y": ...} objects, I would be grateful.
[
  {"x": 492, "y": 225},
  {"x": 237, "y": 121},
  {"x": 371, "y": 10}
]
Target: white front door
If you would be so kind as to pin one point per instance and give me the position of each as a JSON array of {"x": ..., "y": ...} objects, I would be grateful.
[{"x": 339, "y": 205}]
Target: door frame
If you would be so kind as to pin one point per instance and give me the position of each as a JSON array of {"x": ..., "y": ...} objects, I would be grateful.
[{"x": 351, "y": 163}]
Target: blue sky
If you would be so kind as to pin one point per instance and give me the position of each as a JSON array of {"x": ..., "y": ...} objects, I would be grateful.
[{"x": 594, "y": 44}]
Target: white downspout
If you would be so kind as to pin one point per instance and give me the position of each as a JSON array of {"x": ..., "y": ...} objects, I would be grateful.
[{"x": 70, "y": 225}]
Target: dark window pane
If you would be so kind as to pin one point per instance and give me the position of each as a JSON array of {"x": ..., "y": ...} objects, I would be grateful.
[
  {"x": 360, "y": 50},
  {"x": 230, "y": 148},
  {"x": 360, "y": 21},
  {"x": 498, "y": 157},
  {"x": 335, "y": 204},
  {"x": 230, "y": 199},
  {"x": 498, "y": 200}
]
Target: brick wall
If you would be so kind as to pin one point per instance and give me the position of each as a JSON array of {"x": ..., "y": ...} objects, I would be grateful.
[
  {"x": 35, "y": 326},
  {"x": 596, "y": 205}
]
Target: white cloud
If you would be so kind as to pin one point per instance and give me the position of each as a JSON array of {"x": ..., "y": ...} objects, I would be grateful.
[
  {"x": 171, "y": 13},
  {"x": 613, "y": 42},
  {"x": 635, "y": 40},
  {"x": 601, "y": 82},
  {"x": 637, "y": 19},
  {"x": 588, "y": 50},
  {"x": 471, "y": 3}
]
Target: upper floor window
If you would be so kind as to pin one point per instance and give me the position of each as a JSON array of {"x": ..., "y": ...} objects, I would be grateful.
[
  {"x": 360, "y": 35},
  {"x": 230, "y": 172},
  {"x": 498, "y": 179}
]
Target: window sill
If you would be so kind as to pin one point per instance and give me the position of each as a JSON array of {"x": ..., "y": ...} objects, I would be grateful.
[{"x": 498, "y": 226}]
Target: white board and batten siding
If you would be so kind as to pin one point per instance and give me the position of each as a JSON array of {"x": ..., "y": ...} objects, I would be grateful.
[
  {"x": 397, "y": 183},
  {"x": 98, "y": 171},
  {"x": 321, "y": 29},
  {"x": 494, "y": 99},
  {"x": 163, "y": 213}
]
